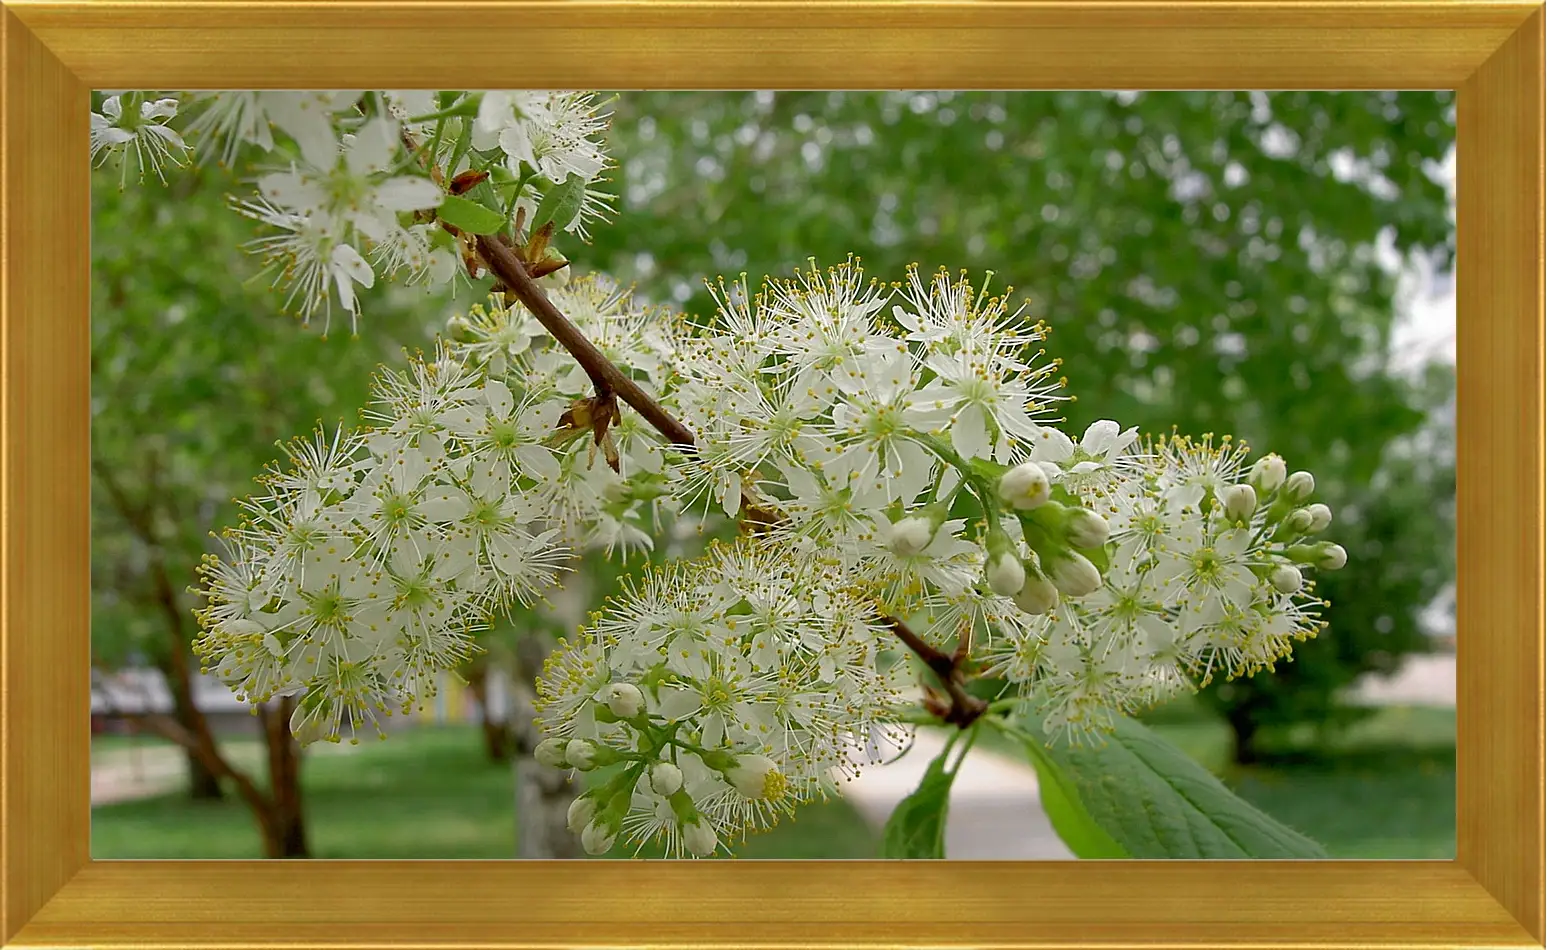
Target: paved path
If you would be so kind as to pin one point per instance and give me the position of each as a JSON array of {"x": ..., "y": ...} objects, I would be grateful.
[
  {"x": 120, "y": 775},
  {"x": 1425, "y": 680},
  {"x": 995, "y": 810},
  {"x": 127, "y": 774}
]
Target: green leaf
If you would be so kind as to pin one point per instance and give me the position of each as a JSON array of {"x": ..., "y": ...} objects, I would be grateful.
[
  {"x": 916, "y": 828},
  {"x": 1156, "y": 802},
  {"x": 561, "y": 204},
  {"x": 1061, "y": 800},
  {"x": 469, "y": 216},
  {"x": 987, "y": 688},
  {"x": 1098, "y": 557}
]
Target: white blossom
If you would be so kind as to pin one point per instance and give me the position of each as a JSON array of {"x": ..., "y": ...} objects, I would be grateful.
[
  {"x": 138, "y": 135},
  {"x": 755, "y": 665}
]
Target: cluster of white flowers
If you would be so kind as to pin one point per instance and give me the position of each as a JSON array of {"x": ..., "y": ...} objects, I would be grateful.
[
  {"x": 348, "y": 203},
  {"x": 1204, "y": 572},
  {"x": 552, "y": 134},
  {"x": 716, "y": 695},
  {"x": 371, "y": 560},
  {"x": 894, "y": 429},
  {"x": 889, "y": 450},
  {"x": 597, "y": 505}
]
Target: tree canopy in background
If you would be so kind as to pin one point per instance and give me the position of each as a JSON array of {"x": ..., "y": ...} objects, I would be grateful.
[{"x": 195, "y": 379}]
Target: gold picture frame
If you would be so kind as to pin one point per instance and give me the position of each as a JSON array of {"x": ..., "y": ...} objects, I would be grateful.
[{"x": 54, "y": 895}]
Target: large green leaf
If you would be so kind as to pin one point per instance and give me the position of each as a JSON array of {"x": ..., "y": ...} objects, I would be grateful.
[
  {"x": 916, "y": 828},
  {"x": 469, "y": 216},
  {"x": 1061, "y": 800},
  {"x": 561, "y": 204},
  {"x": 1156, "y": 802}
]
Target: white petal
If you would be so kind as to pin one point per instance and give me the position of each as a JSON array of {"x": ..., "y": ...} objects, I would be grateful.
[
  {"x": 499, "y": 398},
  {"x": 1099, "y": 437},
  {"x": 159, "y": 109},
  {"x": 373, "y": 147},
  {"x": 714, "y": 730},
  {"x": 677, "y": 702},
  {"x": 289, "y": 190},
  {"x": 311, "y": 127},
  {"x": 348, "y": 262},
  {"x": 408, "y": 193},
  {"x": 538, "y": 461},
  {"x": 969, "y": 432},
  {"x": 494, "y": 111},
  {"x": 516, "y": 144},
  {"x": 1052, "y": 446},
  {"x": 169, "y": 135}
]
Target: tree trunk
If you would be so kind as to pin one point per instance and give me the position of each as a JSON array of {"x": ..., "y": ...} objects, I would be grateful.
[
  {"x": 497, "y": 737},
  {"x": 1243, "y": 726},
  {"x": 543, "y": 794},
  {"x": 284, "y": 827},
  {"x": 203, "y": 783}
]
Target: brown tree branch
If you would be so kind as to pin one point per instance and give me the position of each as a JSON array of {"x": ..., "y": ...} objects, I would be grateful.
[
  {"x": 964, "y": 708},
  {"x": 606, "y": 377}
]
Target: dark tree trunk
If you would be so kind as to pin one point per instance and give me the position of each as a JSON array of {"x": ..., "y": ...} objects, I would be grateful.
[
  {"x": 497, "y": 735},
  {"x": 203, "y": 783},
  {"x": 284, "y": 827},
  {"x": 1243, "y": 727}
]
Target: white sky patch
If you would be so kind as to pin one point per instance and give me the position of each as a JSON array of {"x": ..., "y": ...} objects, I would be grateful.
[{"x": 1425, "y": 329}]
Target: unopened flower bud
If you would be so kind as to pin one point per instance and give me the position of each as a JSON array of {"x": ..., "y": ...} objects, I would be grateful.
[
  {"x": 1321, "y": 517},
  {"x": 1268, "y": 474},
  {"x": 1086, "y": 529},
  {"x": 756, "y": 777},
  {"x": 911, "y": 535},
  {"x": 550, "y": 752},
  {"x": 1025, "y": 486},
  {"x": 1300, "y": 485},
  {"x": 1074, "y": 575},
  {"x": 699, "y": 838},
  {"x": 1286, "y": 579},
  {"x": 1239, "y": 501},
  {"x": 1331, "y": 557},
  {"x": 1300, "y": 520},
  {"x": 583, "y": 754},
  {"x": 665, "y": 778},
  {"x": 618, "y": 491},
  {"x": 581, "y": 811},
  {"x": 624, "y": 699},
  {"x": 1005, "y": 574},
  {"x": 1037, "y": 595},
  {"x": 597, "y": 838}
]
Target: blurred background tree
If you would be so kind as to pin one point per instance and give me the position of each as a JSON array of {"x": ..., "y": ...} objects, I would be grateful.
[
  {"x": 1222, "y": 261},
  {"x": 195, "y": 380}
]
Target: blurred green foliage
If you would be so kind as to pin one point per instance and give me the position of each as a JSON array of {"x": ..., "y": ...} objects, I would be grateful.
[
  {"x": 1201, "y": 260},
  {"x": 196, "y": 378}
]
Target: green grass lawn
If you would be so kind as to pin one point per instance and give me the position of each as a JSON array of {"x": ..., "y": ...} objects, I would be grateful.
[{"x": 424, "y": 793}]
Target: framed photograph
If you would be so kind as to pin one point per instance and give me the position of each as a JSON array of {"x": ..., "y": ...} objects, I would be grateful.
[{"x": 862, "y": 520}]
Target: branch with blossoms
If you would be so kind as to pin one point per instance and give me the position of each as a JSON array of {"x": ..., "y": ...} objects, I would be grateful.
[{"x": 895, "y": 445}]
